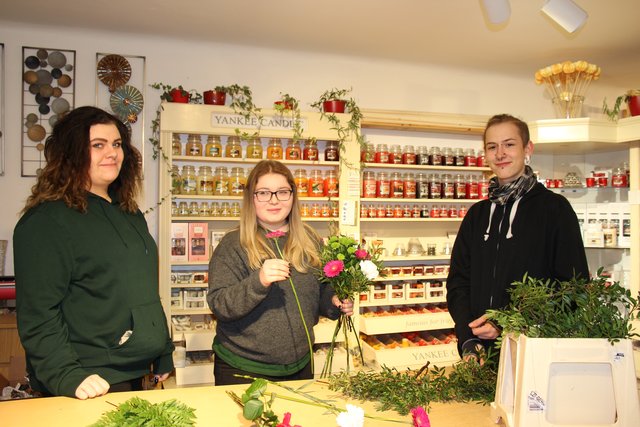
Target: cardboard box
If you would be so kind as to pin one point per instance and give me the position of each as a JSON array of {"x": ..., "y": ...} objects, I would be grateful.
[
  {"x": 179, "y": 236},
  {"x": 376, "y": 325},
  {"x": 411, "y": 357},
  {"x": 198, "y": 241}
]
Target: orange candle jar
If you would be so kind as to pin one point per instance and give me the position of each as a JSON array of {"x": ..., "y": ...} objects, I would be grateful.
[
  {"x": 368, "y": 184},
  {"x": 331, "y": 184},
  {"x": 194, "y": 145},
  {"x": 274, "y": 149},
  {"x": 213, "y": 147},
  {"x": 293, "y": 151},
  {"x": 397, "y": 185},
  {"x": 316, "y": 183},
  {"x": 302, "y": 182},
  {"x": 233, "y": 148},
  {"x": 383, "y": 186}
]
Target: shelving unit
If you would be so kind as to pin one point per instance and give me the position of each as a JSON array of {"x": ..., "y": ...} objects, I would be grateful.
[{"x": 186, "y": 119}]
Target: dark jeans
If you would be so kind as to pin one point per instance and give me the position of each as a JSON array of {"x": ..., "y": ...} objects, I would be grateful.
[{"x": 224, "y": 374}]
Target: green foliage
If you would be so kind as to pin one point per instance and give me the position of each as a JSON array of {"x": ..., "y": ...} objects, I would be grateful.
[
  {"x": 141, "y": 412},
  {"x": 402, "y": 390},
  {"x": 256, "y": 404},
  {"x": 577, "y": 308},
  {"x": 290, "y": 105},
  {"x": 615, "y": 111}
]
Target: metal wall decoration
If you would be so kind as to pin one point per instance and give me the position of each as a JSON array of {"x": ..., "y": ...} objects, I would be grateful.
[
  {"x": 48, "y": 93},
  {"x": 120, "y": 84},
  {"x": 2, "y": 155}
]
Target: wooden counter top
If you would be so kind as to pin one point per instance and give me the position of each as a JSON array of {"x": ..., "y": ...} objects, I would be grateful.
[{"x": 215, "y": 408}]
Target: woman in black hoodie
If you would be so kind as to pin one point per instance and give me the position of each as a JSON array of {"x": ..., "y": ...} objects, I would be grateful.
[{"x": 521, "y": 228}]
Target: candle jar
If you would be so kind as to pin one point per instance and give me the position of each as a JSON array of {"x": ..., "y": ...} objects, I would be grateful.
[
  {"x": 293, "y": 150},
  {"x": 458, "y": 155},
  {"x": 204, "y": 181},
  {"x": 304, "y": 210},
  {"x": 194, "y": 209},
  {"x": 310, "y": 151},
  {"x": 176, "y": 145},
  {"x": 213, "y": 147},
  {"x": 233, "y": 148},
  {"x": 383, "y": 185},
  {"x": 480, "y": 159},
  {"x": 422, "y": 186},
  {"x": 408, "y": 155},
  {"x": 459, "y": 187},
  {"x": 395, "y": 155},
  {"x": 204, "y": 209},
  {"x": 189, "y": 183},
  {"x": 367, "y": 153},
  {"x": 183, "y": 209},
  {"x": 215, "y": 209},
  {"x": 470, "y": 158},
  {"x": 422, "y": 156},
  {"x": 447, "y": 186},
  {"x": 331, "y": 184},
  {"x": 382, "y": 153},
  {"x": 448, "y": 159},
  {"x": 274, "y": 149},
  {"x": 254, "y": 149},
  {"x": 472, "y": 187},
  {"x": 174, "y": 209},
  {"x": 176, "y": 180},
  {"x": 483, "y": 187},
  {"x": 237, "y": 181},
  {"x": 234, "y": 211},
  {"x": 397, "y": 185},
  {"x": 316, "y": 184},
  {"x": 301, "y": 181},
  {"x": 225, "y": 209},
  {"x": 194, "y": 146},
  {"x": 435, "y": 188},
  {"x": 221, "y": 181},
  {"x": 331, "y": 152},
  {"x": 368, "y": 184},
  {"x": 435, "y": 156},
  {"x": 409, "y": 186}
]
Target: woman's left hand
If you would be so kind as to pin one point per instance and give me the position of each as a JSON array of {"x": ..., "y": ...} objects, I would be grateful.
[{"x": 345, "y": 306}]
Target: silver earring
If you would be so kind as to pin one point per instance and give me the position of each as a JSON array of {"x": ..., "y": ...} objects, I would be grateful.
[{"x": 527, "y": 160}]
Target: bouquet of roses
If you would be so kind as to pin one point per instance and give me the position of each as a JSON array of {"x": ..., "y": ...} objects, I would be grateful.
[{"x": 350, "y": 269}]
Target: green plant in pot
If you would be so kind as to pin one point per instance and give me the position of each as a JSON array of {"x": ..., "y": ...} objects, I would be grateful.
[
  {"x": 289, "y": 105},
  {"x": 632, "y": 98},
  {"x": 344, "y": 130}
]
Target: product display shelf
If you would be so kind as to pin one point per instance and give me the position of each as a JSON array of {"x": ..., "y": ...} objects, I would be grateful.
[
  {"x": 376, "y": 325},
  {"x": 410, "y": 277},
  {"x": 411, "y": 219},
  {"x": 587, "y": 142},
  {"x": 372, "y": 165},
  {"x": 178, "y": 121},
  {"x": 403, "y": 200},
  {"x": 442, "y": 257}
]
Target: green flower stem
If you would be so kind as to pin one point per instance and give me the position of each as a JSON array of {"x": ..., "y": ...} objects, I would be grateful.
[{"x": 304, "y": 323}]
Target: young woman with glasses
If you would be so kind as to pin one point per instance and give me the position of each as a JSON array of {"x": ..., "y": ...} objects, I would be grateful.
[{"x": 259, "y": 330}]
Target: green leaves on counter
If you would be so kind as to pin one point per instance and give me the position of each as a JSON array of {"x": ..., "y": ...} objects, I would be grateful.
[{"x": 141, "y": 412}]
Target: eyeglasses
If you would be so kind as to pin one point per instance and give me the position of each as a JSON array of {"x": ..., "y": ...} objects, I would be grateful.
[{"x": 266, "y": 195}]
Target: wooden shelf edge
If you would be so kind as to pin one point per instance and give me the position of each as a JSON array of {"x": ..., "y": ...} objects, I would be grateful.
[{"x": 469, "y": 124}]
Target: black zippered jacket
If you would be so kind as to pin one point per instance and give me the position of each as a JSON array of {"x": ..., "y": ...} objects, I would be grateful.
[{"x": 546, "y": 243}]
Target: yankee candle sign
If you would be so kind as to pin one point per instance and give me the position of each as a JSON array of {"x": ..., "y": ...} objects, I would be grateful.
[
  {"x": 266, "y": 122},
  {"x": 437, "y": 353}
]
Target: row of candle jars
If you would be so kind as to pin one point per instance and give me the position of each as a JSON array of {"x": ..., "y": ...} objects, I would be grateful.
[
  {"x": 316, "y": 183},
  {"x": 224, "y": 209},
  {"x": 423, "y": 186},
  {"x": 409, "y": 211},
  {"x": 275, "y": 150},
  {"x": 319, "y": 210},
  {"x": 208, "y": 181},
  {"x": 409, "y": 155}
]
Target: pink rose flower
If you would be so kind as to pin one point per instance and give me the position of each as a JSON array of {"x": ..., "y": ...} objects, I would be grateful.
[
  {"x": 286, "y": 420},
  {"x": 333, "y": 268},
  {"x": 420, "y": 417},
  {"x": 361, "y": 254},
  {"x": 275, "y": 234}
]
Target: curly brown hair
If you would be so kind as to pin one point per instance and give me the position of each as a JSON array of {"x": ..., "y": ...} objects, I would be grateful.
[{"x": 66, "y": 174}]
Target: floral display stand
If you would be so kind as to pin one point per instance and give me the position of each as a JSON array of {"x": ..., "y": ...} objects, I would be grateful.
[{"x": 566, "y": 381}]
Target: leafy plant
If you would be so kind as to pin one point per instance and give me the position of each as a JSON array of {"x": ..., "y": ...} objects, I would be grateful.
[
  {"x": 141, "y": 412},
  {"x": 344, "y": 131},
  {"x": 577, "y": 308},
  {"x": 242, "y": 104},
  {"x": 614, "y": 113},
  {"x": 400, "y": 391},
  {"x": 194, "y": 96},
  {"x": 289, "y": 104}
]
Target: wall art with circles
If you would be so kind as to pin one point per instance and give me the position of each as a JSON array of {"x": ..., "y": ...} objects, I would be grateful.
[
  {"x": 48, "y": 94},
  {"x": 120, "y": 84}
]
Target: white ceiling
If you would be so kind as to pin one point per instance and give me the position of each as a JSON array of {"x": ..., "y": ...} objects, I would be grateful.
[{"x": 451, "y": 32}]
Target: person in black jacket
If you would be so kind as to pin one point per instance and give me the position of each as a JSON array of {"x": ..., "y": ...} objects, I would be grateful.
[{"x": 522, "y": 228}]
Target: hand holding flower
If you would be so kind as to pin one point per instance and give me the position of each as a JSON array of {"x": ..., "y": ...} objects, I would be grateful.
[
  {"x": 345, "y": 306},
  {"x": 273, "y": 270}
]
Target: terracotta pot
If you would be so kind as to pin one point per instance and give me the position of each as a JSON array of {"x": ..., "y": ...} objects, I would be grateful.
[
  {"x": 634, "y": 105},
  {"x": 212, "y": 97},
  {"x": 177, "y": 96},
  {"x": 334, "y": 106}
]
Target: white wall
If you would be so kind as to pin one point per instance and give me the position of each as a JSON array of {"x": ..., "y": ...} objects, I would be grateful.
[{"x": 305, "y": 75}]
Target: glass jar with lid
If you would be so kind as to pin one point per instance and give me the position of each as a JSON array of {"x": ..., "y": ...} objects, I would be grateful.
[
  {"x": 383, "y": 185},
  {"x": 459, "y": 187},
  {"x": 302, "y": 182},
  {"x": 397, "y": 185},
  {"x": 194, "y": 209},
  {"x": 254, "y": 149},
  {"x": 422, "y": 186},
  {"x": 233, "y": 148},
  {"x": 293, "y": 150},
  {"x": 176, "y": 145},
  {"x": 470, "y": 158},
  {"x": 183, "y": 209},
  {"x": 316, "y": 183},
  {"x": 194, "y": 145},
  {"x": 422, "y": 157},
  {"x": 237, "y": 181},
  {"x": 409, "y": 155},
  {"x": 174, "y": 209},
  {"x": 310, "y": 151},
  {"x": 382, "y": 153},
  {"x": 221, "y": 181},
  {"x": 409, "y": 186},
  {"x": 448, "y": 159},
  {"x": 205, "y": 181},
  {"x": 332, "y": 151},
  {"x": 213, "y": 147},
  {"x": 367, "y": 153},
  {"x": 435, "y": 186},
  {"x": 435, "y": 156},
  {"x": 274, "y": 149},
  {"x": 189, "y": 180},
  {"x": 458, "y": 155},
  {"x": 225, "y": 209},
  {"x": 205, "y": 210},
  {"x": 331, "y": 184},
  {"x": 395, "y": 154},
  {"x": 176, "y": 180},
  {"x": 368, "y": 184},
  {"x": 447, "y": 186},
  {"x": 235, "y": 209}
]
